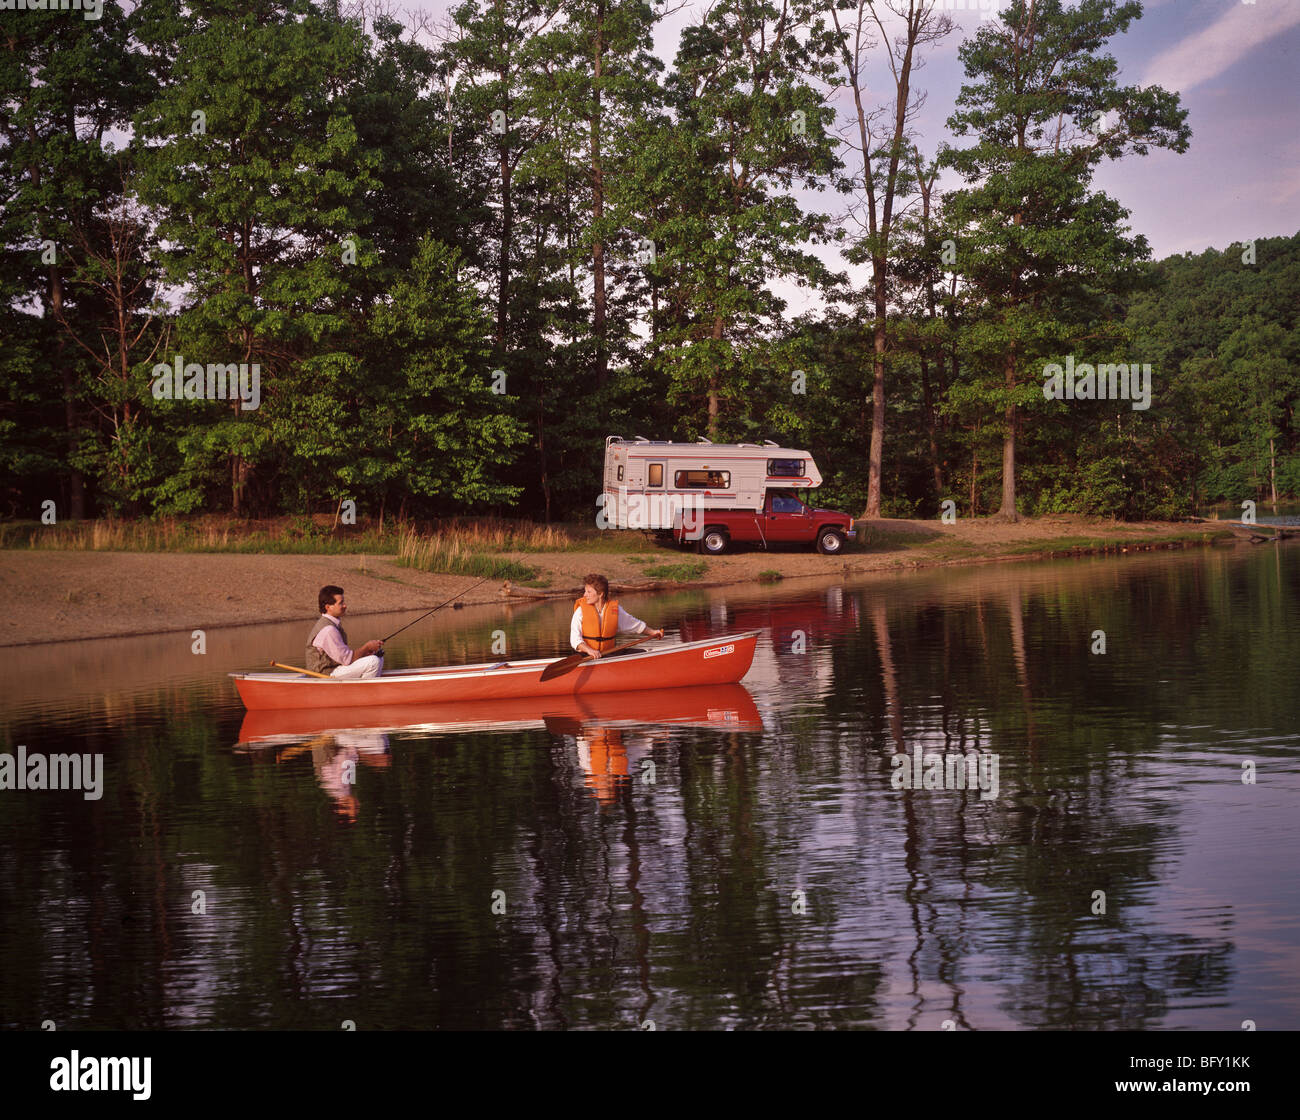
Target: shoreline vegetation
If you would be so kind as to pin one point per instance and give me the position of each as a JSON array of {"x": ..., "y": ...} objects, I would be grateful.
[
  {"x": 241, "y": 328},
  {"x": 95, "y": 579}
]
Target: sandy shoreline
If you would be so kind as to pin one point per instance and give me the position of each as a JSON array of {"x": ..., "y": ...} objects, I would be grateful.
[{"x": 55, "y": 596}]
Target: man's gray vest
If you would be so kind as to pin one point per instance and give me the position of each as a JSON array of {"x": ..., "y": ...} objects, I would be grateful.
[{"x": 318, "y": 661}]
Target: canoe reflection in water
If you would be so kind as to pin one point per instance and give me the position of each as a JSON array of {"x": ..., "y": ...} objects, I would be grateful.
[{"x": 340, "y": 739}]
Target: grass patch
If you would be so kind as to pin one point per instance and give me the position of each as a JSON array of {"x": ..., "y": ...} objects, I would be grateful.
[
  {"x": 452, "y": 556},
  {"x": 618, "y": 542},
  {"x": 875, "y": 539},
  {"x": 679, "y": 573},
  {"x": 769, "y": 575},
  {"x": 1057, "y": 544},
  {"x": 500, "y": 534},
  {"x": 317, "y": 533},
  {"x": 284, "y": 535},
  {"x": 1104, "y": 544},
  {"x": 952, "y": 548}
]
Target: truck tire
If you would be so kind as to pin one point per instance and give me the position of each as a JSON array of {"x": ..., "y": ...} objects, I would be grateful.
[
  {"x": 829, "y": 542},
  {"x": 714, "y": 541}
]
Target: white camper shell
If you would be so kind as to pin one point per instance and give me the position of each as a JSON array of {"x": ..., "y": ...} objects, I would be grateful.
[{"x": 650, "y": 484}]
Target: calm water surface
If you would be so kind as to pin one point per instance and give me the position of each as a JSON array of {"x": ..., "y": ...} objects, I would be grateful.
[{"x": 744, "y": 860}]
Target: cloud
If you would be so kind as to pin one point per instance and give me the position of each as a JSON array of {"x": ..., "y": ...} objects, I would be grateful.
[{"x": 1228, "y": 40}]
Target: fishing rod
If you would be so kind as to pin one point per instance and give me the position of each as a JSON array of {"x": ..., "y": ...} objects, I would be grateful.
[{"x": 437, "y": 608}]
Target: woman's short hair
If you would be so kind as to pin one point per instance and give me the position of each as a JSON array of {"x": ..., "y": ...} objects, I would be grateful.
[{"x": 599, "y": 582}]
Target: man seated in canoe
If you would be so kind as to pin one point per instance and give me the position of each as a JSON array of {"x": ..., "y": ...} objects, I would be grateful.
[
  {"x": 598, "y": 619},
  {"x": 327, "y": 644}
]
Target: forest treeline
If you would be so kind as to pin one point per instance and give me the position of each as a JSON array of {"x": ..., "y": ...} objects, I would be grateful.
[{"x": 452, "y": 259}]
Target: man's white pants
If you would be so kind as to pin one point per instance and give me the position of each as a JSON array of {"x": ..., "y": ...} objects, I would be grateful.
[{"x": 360, "y": 669}]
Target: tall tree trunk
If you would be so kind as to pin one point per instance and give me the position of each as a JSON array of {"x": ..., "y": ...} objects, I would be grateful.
[
  {"x": 76, "y": 483},
  {"x": 1272, "y": 473},
  {"x": 598, "y": 206},
  {"x": 877, "y": 451},
  {"x": 1008, "y": 510},
  {"x": 879, "y": 222},
  {"x": 541, "y": 456},
  {"x": 925, "y": 184},
  {"x": 718, "y": 324},
  {"x": 507, "y": 234},
  {"x": 236, "y": 487},
  {"x": 927, "y": 403},
  {"x": 239, "y": 466}
]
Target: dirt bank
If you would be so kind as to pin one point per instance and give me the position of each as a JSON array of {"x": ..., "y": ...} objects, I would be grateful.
[{"x": 62, "y": 596}]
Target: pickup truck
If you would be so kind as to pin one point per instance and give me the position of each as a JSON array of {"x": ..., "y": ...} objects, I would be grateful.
[{"x": 784, "y": 519}]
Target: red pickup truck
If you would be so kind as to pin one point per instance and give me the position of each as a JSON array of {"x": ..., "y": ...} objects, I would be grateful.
[{"x": 784, "y": 519}]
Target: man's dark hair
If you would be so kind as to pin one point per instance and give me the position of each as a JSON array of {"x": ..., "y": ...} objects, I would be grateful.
[
  {"x": 599, "y": 582},
  {"x": 327, "y": 595}
]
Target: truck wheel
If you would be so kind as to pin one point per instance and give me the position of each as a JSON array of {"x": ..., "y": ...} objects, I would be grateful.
[
  {"x": 714, "y": 542},
  {"x": 829, "y": 542}
]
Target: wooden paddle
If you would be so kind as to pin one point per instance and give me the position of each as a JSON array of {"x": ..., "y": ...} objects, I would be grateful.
[
  {"x": 565, "y": 664},
  {"x": 307, "y": 672}
]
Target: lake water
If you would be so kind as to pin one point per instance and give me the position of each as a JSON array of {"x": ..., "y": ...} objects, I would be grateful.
[{"x": 787, "y": 855}]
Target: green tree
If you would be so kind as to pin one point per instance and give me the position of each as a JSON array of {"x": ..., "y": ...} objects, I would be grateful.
[
  {"x": 259, "y": 177},
  {"x": 748, "y": 124},
  {"x": 66, "y": 84},
  {"x": 882, "y": 147},
  {"x": 1044, "y": 253},
  {"x": 418, "y": 415}
]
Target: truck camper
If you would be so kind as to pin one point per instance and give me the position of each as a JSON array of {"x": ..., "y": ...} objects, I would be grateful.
[{"x": 711, "y": 494}]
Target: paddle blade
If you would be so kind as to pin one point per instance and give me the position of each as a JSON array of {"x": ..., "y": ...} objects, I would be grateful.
[
  {"x": 567, "y": 664},
  {"x": 563, "y": 666}
]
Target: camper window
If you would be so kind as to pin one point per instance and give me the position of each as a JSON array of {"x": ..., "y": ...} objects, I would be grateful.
[
  {"x": 785, "y": 468},
  {"x": 655, "y": 475},
  {"x": 702, "y": 480}
]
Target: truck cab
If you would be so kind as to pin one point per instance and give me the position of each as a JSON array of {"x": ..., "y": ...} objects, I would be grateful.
[
  {"x": 788, "y": 519},
  {"x": 784, "y": 519}
]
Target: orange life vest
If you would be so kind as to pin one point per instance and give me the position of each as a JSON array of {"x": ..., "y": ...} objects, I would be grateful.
[
  {"x": 606, "y": 765},
  {"x": 599, "y": 631}
]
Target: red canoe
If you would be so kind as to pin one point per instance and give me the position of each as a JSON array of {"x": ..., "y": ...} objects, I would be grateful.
[
  {"x": 726, "y": 707},
  {"x": 715, "y": 661}
]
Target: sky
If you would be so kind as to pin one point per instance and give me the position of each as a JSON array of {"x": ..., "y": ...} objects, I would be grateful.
[{"x": 1235, "y": 65}]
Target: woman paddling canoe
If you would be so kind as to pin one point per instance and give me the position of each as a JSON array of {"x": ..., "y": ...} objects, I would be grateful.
[{"x": 598, "y": 619}]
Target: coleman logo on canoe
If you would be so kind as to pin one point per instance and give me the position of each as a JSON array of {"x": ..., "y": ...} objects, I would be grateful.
[{"x": 721, "y": 651}]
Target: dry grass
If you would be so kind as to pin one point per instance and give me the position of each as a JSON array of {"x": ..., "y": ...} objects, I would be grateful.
[
  {"x": 453, "y": 554},
  {"x": 297, "y": 534},
  {"x": 684, "y": 572},
  {"x": 285, "y": 535},
  {"x": 498, "y": 534}
]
